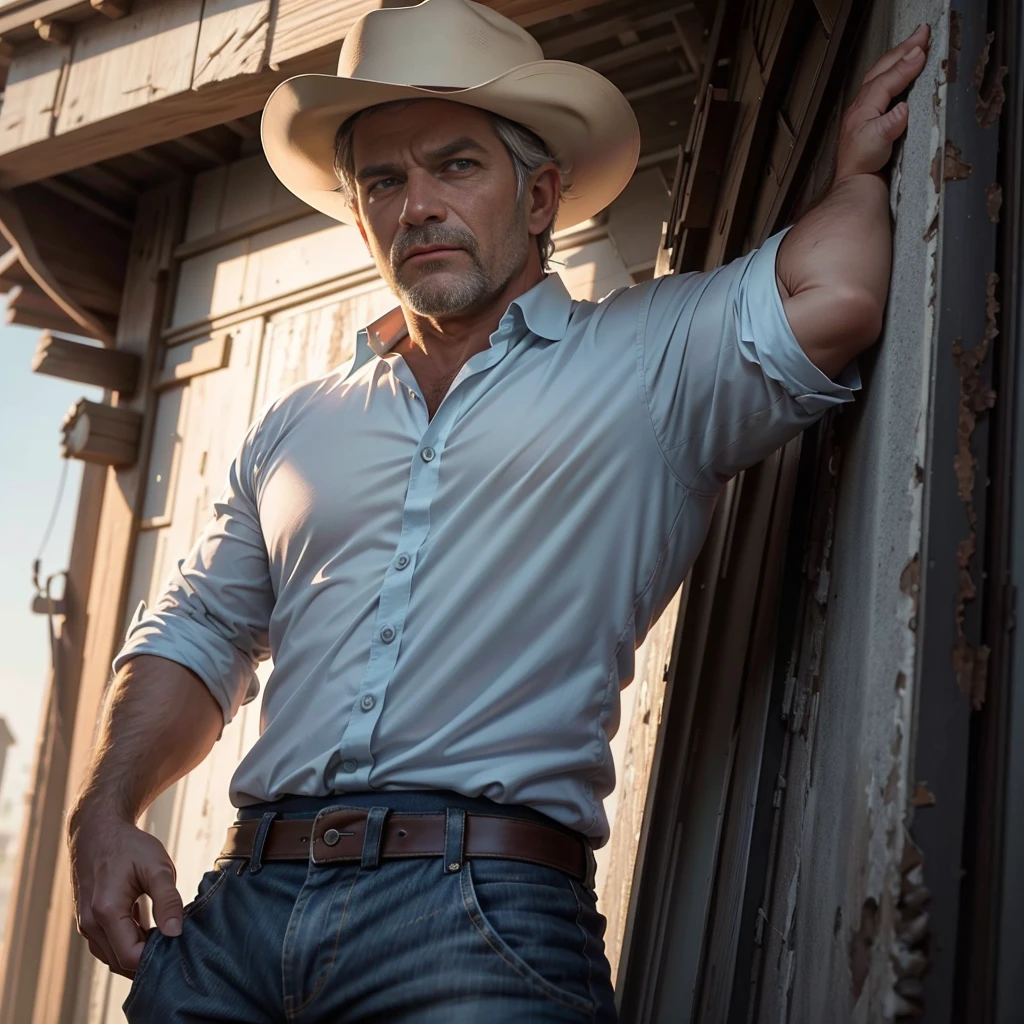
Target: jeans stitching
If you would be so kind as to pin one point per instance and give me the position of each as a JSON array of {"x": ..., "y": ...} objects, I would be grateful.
[
  {"x": 520, "y": 966},
  {"x": 144, "y": 962},
  {"x": 586, "y": 943},
  {"x": 197, "y": 904},
  {"x": 324, "y": 974}
]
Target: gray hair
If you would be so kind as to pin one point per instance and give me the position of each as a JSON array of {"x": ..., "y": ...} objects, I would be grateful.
[{"x": 526, "y": 149}]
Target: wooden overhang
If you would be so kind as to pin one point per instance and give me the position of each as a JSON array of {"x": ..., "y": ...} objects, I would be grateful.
[{"x": 122, "y": 96}]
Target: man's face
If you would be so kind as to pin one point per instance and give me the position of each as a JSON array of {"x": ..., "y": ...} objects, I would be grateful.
[{"x": 436, "y": 201}]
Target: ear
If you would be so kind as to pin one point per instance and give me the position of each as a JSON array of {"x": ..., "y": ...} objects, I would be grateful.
[{"x": 545, "y": 190}]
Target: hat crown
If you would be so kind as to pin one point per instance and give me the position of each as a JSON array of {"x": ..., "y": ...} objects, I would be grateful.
[{"x": 443, "y": 44}]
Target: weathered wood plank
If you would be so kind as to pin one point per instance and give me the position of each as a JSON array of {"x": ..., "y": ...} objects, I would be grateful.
[
  {"x": 204, "y": 357},
  {"x": 138, "y": 127},
  {"x": 57, "y": 356},
  {"x": 303, "y": 26},
  {"x": 65, "y": 956},
  {"x": 118, "y": 66},
  {"x": 30, "y": 97},
  {"x": 233, "y": 40}
]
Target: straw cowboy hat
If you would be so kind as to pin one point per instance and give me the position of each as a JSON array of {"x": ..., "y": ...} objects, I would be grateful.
[{"x": 462, "y": 51}]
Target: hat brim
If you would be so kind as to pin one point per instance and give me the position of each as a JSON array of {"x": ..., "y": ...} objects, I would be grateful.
[{"x": 585, "y": 121}]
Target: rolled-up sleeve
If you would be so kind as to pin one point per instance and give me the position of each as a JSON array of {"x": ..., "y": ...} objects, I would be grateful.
[
  {"x": 725, "y": 379},
  {"x": 214, "y": 612}
]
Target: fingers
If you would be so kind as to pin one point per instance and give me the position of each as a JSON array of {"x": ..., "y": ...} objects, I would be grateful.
[
  {"x": 894, "y": 123},
  {"x": 123, "y": 936},
  {"x": 167, "y": 905},
  {"x": 877, "y": 94},
  {"x": 919, "y": 37}
]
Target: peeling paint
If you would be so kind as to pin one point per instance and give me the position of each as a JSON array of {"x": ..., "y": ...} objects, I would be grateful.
[
  {"x": 860, "y": 945},
  {"x": 954, "y": 166},
  {"x": 932, "y": 229},
  {"x": 923, "y": 796},
  {"x": 909, "y": 954},
  {"x": 988, "y": 84},
  {"x": 994, "y": 201},
  {"x": 970, "y": 662}
]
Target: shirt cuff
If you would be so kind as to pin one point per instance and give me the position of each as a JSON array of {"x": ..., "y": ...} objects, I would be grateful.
[
  {"x": 763, "y": 325},
  {"x": 222, "y": 667}
]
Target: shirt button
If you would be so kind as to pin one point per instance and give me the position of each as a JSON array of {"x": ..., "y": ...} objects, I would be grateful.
[
  {"x": 402, "y": 561},
  {"x": 367, "y": 702},
  {"x": 427, "y": 455},
  {"x": 349, "y": 765},
  {"x": 387, "y": 634}
]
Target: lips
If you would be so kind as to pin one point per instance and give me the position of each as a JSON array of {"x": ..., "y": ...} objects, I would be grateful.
[{"x": 422, "y": 252}]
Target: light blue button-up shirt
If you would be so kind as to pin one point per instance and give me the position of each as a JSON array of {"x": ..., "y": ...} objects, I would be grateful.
[{"x": 454, "y": 603}]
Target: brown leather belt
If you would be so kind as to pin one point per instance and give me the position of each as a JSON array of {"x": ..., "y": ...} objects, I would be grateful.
[{"x": 337, "y": 835}]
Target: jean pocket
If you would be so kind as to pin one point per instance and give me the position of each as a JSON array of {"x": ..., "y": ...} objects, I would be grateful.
[
  {"x": 152, "y": 941},
  {"x": 530, "y": 916},
  {"x": 209, "y": 886}
]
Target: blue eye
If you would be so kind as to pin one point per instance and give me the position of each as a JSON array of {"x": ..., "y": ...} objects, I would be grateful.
[{"x": 461, "y": 164}]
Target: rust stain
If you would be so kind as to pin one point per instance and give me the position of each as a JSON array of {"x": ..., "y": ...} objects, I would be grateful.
[
  {"x": 989, "y": 102},
  {"x": 954, "y": 166},
  {"x": 891, "y": 784},
  {"x": 910, "y": 580},
  {"x": 922, "y": 796},
  {"x": 970, "y": 662},
  {"x": 933, "y": 229},
  {"x": 994, "y": 201},
  {"x": 979, "y": 69},
  {"x": 860, "y": 945},
  {"x": 952, "y": 62},
  {"x": 988, "y": 84}
]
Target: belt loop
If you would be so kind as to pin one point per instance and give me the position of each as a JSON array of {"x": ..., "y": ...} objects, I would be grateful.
[
  {"x": 375, "y": 818},
  {"x": 256, "y": 861},
  {"x": 590, "y": 876},
  {"x": 454, "y": 840}
]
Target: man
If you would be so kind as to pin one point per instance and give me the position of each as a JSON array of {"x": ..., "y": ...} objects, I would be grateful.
[{"x": 443, "y": 548}]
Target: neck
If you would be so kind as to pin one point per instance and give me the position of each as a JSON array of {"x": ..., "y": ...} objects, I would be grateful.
[{"x": 447, "y": 342}]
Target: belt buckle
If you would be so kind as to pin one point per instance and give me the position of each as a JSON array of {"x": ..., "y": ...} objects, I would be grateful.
[{"x": 332, "y": 825}]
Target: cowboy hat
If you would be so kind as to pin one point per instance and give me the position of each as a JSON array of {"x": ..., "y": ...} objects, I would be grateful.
[{"x": 461, "y": 51}]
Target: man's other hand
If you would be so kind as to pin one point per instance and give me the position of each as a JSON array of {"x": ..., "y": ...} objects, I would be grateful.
[
  {"x": 869, "y": 127},
  {"x": 113, "y": 863}
]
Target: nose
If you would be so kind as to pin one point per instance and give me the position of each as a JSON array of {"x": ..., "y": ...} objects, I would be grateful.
[{"x": 423, "y": 204}]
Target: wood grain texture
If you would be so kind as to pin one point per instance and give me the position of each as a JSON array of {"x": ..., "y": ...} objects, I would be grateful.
[
  {"x": 204, "y": 357},
  {"x": 233, "y": 40},
  {"x": 65, "y": 968},
  {"x": 303, "y": 26},
  {"x": 61, "y": 357},
  {"x": 118, "y": 66},
  {"x": 30, "y": 97}
]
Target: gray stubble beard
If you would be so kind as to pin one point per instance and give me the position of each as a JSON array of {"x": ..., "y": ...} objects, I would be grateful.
[{"x": 473, "y": 288}]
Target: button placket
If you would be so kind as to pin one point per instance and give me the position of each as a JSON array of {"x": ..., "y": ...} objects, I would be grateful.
[{"x": 396, "y": 590}]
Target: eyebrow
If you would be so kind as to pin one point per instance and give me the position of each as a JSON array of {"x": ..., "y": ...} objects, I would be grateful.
[{"x": 449, "y": 149}]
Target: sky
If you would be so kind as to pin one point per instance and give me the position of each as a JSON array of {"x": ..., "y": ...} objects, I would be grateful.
[{"x": 31, "y": 409}]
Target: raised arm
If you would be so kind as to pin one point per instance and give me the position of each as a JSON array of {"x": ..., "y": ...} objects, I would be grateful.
[{"x": 833, "y": 266}]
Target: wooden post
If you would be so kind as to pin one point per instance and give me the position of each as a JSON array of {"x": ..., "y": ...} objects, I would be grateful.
[
  {"x": 56, "y": 32},
  {"x": 46, "y": 956}
]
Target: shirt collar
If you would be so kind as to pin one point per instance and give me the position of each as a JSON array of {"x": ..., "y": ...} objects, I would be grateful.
[{"x": 545, "y": 310}]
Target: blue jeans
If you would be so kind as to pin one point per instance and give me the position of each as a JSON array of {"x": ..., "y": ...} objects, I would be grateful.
[{"x": 396, "y": 942}]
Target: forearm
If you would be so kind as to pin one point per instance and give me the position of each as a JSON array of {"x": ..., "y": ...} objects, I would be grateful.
[
  {"x": 833, "y": 268},
  {"x": 159, "y": 722}
]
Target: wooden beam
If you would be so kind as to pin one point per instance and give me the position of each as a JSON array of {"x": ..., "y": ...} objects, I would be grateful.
[
  {"x": 68, "y": 191},
  {"x": 112, "y": 9},
  {"x": 58, "y": 32},
  {"x": 96, "y": 432},
  {"x": 16, "y": 230},
  {"x": 30, "y": 307},
  {"x": 205, "y": 357},
  {"x": 19, "y": 20},
  {"x": 106, "y": 368}
]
